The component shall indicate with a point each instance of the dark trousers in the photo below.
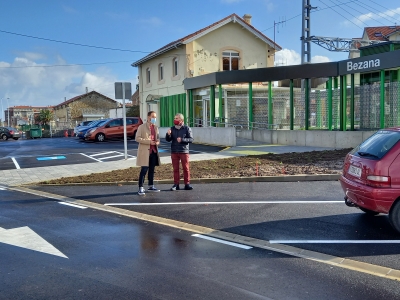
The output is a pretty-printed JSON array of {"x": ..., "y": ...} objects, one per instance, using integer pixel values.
[
  {"x": 184, "y": 158},
  {"x": 153, "y": 162}
]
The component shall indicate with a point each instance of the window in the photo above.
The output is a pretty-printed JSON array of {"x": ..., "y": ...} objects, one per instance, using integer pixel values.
[
  {"x": 230, "y": 60},
  {"x": 160, "y": 72},
  {"x": 175, "y": 66},
  {"x": 148, "y": 75},
  {"x": 115, "y": 123}
]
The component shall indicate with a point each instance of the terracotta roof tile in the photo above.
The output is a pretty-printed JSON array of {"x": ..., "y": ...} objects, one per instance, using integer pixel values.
[
  {"x": 380, "y": 33},
  {"x": 81, "y": 96}
]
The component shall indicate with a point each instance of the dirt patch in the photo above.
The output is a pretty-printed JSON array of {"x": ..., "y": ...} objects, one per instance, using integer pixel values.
[{"x": 295, "y": 163}]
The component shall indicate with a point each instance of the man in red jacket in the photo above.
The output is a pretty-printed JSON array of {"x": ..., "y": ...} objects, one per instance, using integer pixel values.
[{"x": 181, "y": 136}]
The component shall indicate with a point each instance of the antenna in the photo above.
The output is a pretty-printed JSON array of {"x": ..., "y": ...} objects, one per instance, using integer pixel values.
[{"x": 276, "y": 25}]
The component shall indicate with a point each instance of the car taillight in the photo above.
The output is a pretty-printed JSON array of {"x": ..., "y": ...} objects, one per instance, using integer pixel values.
[
  {"x": 378, "y": 181},
  {"x": 12, "y": 131}
]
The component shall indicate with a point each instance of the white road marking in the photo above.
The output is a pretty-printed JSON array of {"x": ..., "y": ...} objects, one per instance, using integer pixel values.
[
  {"x": 222, "y": 241},
  {"x": 119, "y": 155},
  {"x": 221, "y": 203},
  {"x": 25, "y": 237},
  {"x": 15, "y": 163},
  {"x": 334, "y": 241},
  {"x": 90, "y": 157},
  {"x": 73, "y": 205},
  {"x": 103, "y": 153}
]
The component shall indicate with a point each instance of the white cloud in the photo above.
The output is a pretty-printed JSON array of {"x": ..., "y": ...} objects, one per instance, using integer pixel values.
[
  {"x": 362, "y": 20},
  {"x": 287, "y": 57},
  {"x": 38, "y": 85},
  {"x": 32, "y": 56},
  {"x": 153, "y": 21}
]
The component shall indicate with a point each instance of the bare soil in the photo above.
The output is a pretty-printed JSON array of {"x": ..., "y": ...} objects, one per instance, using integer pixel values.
[{"x": 295, "y": 163}]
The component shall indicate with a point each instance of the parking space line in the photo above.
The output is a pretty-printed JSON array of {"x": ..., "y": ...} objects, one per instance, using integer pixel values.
[
  {"x": 103, "y": 153},
  {"x": 222, "y": 241},
  {"x": 119, "y": 155},
  {"x": 73, "y": 205},
  {"x": 90, "y": 157},
  {"x": 15, "y": 163},
  {"x": 335, "y": 242},
  {"x": 221, "y": 203}
]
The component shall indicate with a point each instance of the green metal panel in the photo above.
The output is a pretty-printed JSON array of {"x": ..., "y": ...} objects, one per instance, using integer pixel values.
[
  {"x": 212, "y": 105},
  {"x": 319, "y": 110},
  {"x": 335, "y": 83},
  {"x": 330, "y": 103},
  {"x": 251, "y": 105},
  {"x": 220, "y": 110},
  {"x": 291, "y": 105},
  {"x": 307, "y": 103},
  {"x": 191, "y": 108},
  {"x": 382, "y": 108},
  {"x": 344, "y": 90},
  {"x": 270, "y": 106},
  {"x": 341, "y": 127},
  {"x": 352, "y": 113}
]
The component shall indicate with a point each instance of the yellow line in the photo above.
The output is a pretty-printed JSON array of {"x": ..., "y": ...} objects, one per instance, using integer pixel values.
[{"x": 340, "y": 262}]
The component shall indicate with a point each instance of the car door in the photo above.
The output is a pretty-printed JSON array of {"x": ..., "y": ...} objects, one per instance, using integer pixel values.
[{"x": 114, "y": 129}]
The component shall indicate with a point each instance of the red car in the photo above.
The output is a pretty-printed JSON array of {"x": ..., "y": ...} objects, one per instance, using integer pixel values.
[
  {"x": 371, "y": 175},
  {"x": 114, "y": 129}
]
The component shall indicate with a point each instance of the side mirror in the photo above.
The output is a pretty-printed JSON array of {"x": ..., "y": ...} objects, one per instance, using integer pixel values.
[{"x": 107, "y": 126}]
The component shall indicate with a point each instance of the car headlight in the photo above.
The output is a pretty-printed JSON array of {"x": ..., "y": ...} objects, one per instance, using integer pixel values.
[{"x": 91, "y": 130}]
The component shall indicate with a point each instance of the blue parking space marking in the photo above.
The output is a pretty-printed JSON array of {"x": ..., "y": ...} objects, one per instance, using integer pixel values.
[{"x": 51, "y": 158}]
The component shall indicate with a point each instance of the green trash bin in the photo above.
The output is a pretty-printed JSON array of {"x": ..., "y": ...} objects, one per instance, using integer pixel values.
[{"x": 35, "y": 133}]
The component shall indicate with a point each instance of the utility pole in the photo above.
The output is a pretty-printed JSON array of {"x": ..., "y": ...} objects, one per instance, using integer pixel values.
[{"x": 305, "y": 32}]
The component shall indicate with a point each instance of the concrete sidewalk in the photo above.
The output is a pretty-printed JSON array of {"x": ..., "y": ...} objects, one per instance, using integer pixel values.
[{"x": 244, "y": 147}]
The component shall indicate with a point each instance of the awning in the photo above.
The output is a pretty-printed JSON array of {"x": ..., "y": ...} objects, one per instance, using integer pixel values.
[{"x": 153, "y": 98}]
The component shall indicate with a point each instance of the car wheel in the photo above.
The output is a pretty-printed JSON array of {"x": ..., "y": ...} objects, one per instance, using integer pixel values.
[
  {"x": 100, "y": 137},
  {"x": 369, "y": 212},
  {"x": 394, "y": 216},
  {"x": 4, "y": 137},
  {"x": 16, "y": 139}
]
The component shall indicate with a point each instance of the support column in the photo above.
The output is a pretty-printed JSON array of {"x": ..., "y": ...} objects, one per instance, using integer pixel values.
[
  {"x": 270, "y": 106},
  {"x": 352, "y": 113},
  {"x": 191, "y": 121},
  {"x": 329, "y": 103},
  {"x": 251, "y": 105},
  {"x": 307, "y": 103},
  {"x": 341, "y": 123},
  {"x": 344, "y": 89},
  {"x": 212, "y": 105},
  {"x": 291, "y": 105},
  {"x": 220, "y": 110},
  {"x": 382, "y": 106},
  {"x": 319, "y": 109}
]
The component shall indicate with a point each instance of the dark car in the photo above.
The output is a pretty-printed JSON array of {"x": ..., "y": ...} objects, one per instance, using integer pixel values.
[
  {"x": 114, "y": 129},
  {"x": 371, "y": 175},
  {"x": 83, "y": 129},
  {"x": 83, "y": 123},
  {"x": 9, "y": 133}
]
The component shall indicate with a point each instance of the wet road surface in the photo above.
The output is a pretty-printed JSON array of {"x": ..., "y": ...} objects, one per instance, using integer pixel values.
[{"x": 115, "y": 257}]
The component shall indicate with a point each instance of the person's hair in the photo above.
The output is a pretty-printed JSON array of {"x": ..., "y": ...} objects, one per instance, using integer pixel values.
[
  {"x": 150, "y": 112},
  {"x": 180, "y": 116}
]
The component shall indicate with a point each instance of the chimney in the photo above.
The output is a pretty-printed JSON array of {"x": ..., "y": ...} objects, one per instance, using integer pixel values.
[{"x": 247, "y": 18}]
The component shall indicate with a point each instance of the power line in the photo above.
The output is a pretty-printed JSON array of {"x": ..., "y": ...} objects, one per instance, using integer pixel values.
[
  {"x": 379, "y": 13},
  {"x": 68, "y": 65},
  {"x": 71, "y": 43},
  {"x": 341, "y": 15},
  {"x": 385, "y": 8},
  {"x": 354, "y": 15}
]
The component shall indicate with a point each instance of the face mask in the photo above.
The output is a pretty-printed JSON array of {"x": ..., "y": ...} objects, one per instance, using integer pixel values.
[
  {"x": 153, "y": 120},
  {"x": 177, "y": 122}
]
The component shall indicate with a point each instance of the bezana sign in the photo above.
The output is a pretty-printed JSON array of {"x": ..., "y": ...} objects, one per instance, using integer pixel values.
[{"x": 373, "y": 63}]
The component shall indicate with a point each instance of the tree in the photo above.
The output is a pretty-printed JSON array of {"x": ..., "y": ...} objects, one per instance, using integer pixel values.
[
  {"x": 133, "y": 111},
  {"x": 45, "y": 116}
]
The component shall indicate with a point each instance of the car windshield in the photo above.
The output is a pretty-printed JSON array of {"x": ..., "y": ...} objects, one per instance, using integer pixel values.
[
  {"x": 377, "y": 145},
  {"x": 102, "y": 123}
]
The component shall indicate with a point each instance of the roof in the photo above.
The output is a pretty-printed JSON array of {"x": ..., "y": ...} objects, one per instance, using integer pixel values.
[
  {"x": 380, "y": 33},
  {"x": 189, "y": 38},
  {"x": 83, "y": 96}
]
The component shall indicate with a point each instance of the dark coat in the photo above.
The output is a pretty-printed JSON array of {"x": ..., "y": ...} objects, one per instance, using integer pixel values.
[{"x": 185, "y": 133}]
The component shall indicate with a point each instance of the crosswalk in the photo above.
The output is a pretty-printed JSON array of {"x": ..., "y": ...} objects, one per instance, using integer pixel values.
[{"x": 109, "y": 155}]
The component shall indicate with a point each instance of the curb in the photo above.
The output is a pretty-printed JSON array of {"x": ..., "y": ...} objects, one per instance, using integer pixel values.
[{"x": 288, "y": 178}]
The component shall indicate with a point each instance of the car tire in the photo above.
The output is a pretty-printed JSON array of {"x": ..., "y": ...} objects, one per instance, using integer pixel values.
[
  {"x": 369, "y": 212},
  {"x": 100, "y": 137},
  {"x": 394, "y": 216},
  {"x": 4, "y": 137}
]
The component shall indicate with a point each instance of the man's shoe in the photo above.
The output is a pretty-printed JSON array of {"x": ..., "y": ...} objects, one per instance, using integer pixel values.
[
  {"x": 153, "y": 189},
  {"x": 175, "y": 187},
  {"x": 141, "y": 191},
  {"x": 188, "y": 187}
]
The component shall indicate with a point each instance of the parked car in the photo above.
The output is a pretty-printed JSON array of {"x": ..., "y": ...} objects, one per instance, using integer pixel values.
[
  {"x": 371, "y": 175},
  {"x": 83, "y": 129},
  {"x": 114, "y": 129},
  {"x": 9, "y": 133},
  {"x": 84, "y": 123}
]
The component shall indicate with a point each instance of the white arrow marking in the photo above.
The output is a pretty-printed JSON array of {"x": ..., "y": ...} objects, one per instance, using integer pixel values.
[{"x": 25, "y": 237}]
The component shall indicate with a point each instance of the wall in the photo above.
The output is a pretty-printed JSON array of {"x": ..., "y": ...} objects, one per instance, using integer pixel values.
[
  {"x": 209, "y": 135},
  {"x": 315, "y": 138}
]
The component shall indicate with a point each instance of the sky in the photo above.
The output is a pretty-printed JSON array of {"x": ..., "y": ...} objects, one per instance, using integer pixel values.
[{"x": 51, "y": 50}]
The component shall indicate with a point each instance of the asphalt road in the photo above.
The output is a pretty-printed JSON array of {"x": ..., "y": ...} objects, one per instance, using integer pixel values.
[
  {"x": 98, "y": 255},
  {"x": 64, "y": 151}
]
